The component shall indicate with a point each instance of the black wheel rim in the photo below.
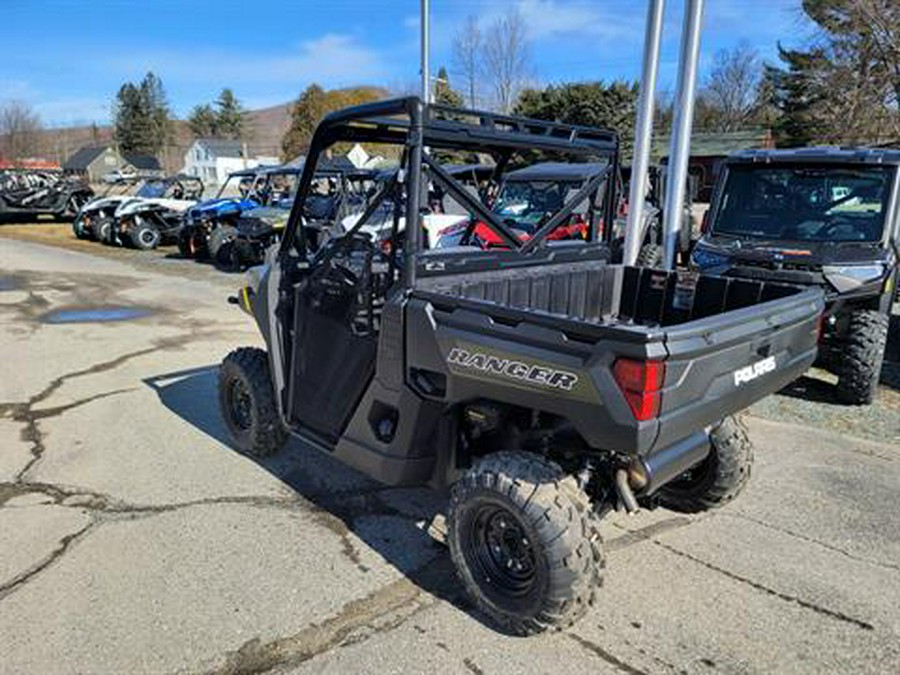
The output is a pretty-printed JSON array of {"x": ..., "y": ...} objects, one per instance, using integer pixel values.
[
  {"x": 501, "y": 551},
  {"x": 240, "y": 404},
  {"x": 147, "y": 237}
]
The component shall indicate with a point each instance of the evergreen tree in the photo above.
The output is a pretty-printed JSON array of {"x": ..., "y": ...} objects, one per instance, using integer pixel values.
[
  {"x": 596, "y": 104},
  {"x": 141, "y": 117},
  {"x": 229, "y": 116},
  {"x": 444, "y": 93},
  {"x": 203, "y": 121}
]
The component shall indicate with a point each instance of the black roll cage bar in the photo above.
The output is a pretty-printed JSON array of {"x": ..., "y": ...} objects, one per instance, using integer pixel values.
[{"x": 410, "y": 123}]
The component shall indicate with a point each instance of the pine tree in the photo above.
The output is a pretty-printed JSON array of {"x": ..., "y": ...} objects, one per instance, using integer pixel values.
[
  {"x": 444, "y": 93},
  {"x": 141, "y": 117},
  {"x": 203, "y": 121},
  {"x": 229, "y": 116}
]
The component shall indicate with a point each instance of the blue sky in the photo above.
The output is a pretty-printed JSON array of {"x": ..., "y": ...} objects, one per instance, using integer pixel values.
[{"x": 67, "y": 58}]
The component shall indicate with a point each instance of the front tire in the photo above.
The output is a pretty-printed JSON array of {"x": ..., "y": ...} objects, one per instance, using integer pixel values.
[
  {"x": 524, "y": 542},
  {"x": 860, "y": 365},
  {"x": 144, "y": 236},
  {"x": 218, "y": 238},
  {"x": 247, "y": 402},
  {"x": 719, "y": 478}
]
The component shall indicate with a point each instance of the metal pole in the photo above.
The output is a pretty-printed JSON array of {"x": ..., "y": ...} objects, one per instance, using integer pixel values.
[
  {"x": 680, "y": 146},
  {"x": 425, "y": 39},
  {"x": 643, "y": 132}
]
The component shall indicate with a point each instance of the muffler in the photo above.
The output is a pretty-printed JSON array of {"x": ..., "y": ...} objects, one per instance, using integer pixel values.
[{"x": 647, "y": 474}]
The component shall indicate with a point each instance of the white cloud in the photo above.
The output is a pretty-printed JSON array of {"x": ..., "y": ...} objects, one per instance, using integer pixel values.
[{"x": 331, "y": 60}]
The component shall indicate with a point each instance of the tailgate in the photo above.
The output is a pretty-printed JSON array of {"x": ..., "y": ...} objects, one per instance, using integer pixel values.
[{"x": 724, "y": 363}]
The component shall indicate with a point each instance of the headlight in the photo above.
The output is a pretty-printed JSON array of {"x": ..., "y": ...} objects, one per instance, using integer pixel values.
[
  {"x": 847, "y": 277},
  {"x": 704, "y": 258}
]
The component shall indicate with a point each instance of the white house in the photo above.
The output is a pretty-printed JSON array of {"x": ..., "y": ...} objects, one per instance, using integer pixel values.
[{"x": 212, "y": 159}]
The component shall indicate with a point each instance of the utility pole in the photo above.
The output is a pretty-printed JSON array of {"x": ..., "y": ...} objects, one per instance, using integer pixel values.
[
  {"x": 680, "y": 146},
  {"x": 425, "y": 39},
  {"x": 643, "y": 132}
]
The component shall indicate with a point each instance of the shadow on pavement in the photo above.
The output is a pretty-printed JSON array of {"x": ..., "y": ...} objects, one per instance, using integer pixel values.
[{"x": 394, "y": 522}]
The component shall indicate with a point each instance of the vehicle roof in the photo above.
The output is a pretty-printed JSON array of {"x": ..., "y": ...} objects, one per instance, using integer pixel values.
[
  {"x": 818, "y": 154},
  {"x": 556, "y": 171}
]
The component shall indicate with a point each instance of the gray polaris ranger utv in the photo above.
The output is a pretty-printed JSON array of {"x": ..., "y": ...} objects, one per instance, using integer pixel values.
[
  {"x": 544, "y": 384},
  {"x": 822, "y": 217}
]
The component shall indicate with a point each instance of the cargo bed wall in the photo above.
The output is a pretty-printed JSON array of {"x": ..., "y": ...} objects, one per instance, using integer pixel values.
[{"x": 609, "y": 294}]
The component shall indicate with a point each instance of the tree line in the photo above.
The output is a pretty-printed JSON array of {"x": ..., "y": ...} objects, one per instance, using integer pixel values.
[{"x": 841, "y": 87}]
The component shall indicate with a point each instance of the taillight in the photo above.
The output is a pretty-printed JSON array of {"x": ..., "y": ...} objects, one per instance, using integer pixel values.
[{"x": 641, "y": 382}]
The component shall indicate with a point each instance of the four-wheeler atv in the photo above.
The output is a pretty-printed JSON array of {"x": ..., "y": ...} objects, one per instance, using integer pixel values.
[
  {"x": 241, "y": 191},
  {"x": 822, "y": 217},
  {"x": 153, "y": 216},
  {"x": 95, "y": 218},
  {"x": 544, "y": 384},
  {"x": 27, "y": 193}
]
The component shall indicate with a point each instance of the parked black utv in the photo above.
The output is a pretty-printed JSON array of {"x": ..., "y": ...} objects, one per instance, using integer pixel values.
[
  {"x": 823, "y": 217},
  {"x": 335, "y": 194},
  {"x": 544, "y": 384},
  {"x": 29, "y": 194}
]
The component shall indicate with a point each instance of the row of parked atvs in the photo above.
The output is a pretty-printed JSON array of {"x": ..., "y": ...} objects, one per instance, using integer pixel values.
[{"x": 146, "y": 212}]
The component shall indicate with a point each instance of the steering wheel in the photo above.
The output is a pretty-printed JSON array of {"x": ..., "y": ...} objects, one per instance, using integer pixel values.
[{"x": 837, "y": 222}]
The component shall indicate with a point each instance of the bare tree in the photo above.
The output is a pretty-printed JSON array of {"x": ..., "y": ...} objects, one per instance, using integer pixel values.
[
  {"x": 507, "y": 58},
  {"x": 729, "y": 97},
  {"x": 19, "y": 127},
  {"x": 467, "y": 58}
]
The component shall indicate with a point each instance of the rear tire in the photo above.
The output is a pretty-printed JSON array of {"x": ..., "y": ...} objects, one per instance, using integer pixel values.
[
  {"x": 719, "y": 478},
  {"x": 650, "y": 255},
  {"x": 247, "y": 402},
  {"x": 860, "y": 365},
  {"x": 525, "y": 542},
  {"x": 102, "y": 232}
]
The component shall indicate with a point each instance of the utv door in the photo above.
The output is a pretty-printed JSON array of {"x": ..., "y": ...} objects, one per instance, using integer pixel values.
[{"x": 334, "y": 346}]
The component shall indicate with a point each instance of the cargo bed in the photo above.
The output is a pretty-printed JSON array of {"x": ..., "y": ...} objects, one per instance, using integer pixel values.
[{"x": 725, "y": 342}]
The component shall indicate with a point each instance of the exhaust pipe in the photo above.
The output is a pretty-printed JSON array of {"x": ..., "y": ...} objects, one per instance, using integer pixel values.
[{"x": 650, "y": 473}]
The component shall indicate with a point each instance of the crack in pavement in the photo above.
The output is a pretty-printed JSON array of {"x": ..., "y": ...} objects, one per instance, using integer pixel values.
[
  {"x": 18, "y": 581},
  {"x": 25, "y": 412},
  {"x": 811, "y": 540},
  {"x": 612, "y": 660},
  {"x": 646, "y": 533},
  {"x": 786, "y": 597},
  {"x": 379, "y": 612}
]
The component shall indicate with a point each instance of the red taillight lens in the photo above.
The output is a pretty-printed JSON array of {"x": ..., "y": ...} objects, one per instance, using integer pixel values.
[{"x": 640, "y": 382}]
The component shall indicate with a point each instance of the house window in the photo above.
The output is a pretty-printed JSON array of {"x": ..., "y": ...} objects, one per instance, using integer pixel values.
[{"x": 198, "y": 155}]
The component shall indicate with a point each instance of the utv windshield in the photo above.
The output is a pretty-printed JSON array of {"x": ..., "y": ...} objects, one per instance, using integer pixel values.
[
  {"x": 153, "y": 189},
  {"x": 236, "y": 186},
  {"x": 524, "y": 205},
  {"x": 804, "y": 203}
]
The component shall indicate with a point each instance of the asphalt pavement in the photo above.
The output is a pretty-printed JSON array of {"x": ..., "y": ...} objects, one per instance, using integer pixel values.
[{"x": 134, "y": 539}]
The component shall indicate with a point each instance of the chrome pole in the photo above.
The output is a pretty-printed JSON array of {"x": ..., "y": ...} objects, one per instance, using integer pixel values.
[
  {"x": 680, "y": 145},
  {"x": 643, "y": 132},
  {"x": 425, "y": 39}
]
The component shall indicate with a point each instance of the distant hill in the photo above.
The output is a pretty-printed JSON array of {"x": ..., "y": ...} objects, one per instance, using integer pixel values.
[{"x": 265, "y": 127}]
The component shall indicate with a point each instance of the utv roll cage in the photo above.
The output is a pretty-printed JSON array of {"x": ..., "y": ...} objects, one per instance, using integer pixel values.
[{"x": 410, "y": 123}]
